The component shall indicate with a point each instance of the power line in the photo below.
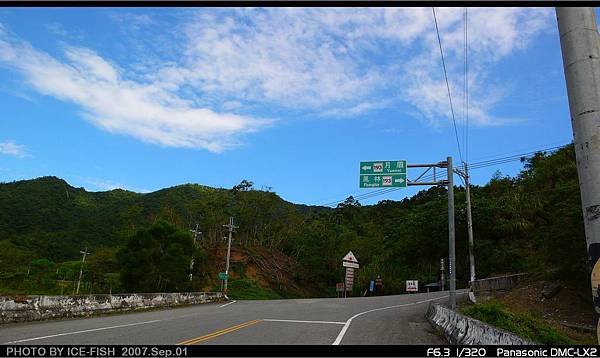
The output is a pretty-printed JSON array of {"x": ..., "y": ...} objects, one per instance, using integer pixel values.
[
  {"x": 510, "y": 158},
  {"x": 447, "y": 83},
  {"x": 379, "y": 192},
  {"x": 556, "y": 144}
]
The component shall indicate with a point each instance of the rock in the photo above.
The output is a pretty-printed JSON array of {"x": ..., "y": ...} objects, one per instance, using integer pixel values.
[{"x": 550, "y": 290}]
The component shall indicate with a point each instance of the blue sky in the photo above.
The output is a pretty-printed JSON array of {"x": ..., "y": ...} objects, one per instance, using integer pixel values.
[{"x": 292, "y": 99}]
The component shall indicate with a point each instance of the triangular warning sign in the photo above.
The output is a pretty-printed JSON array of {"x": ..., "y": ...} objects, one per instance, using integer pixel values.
[{"x": 350, "y": 257}]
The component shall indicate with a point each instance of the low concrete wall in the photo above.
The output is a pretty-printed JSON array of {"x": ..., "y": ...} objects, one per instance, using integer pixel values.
[
  {"x": 495, "y": 287},
  {"x": 34, "y": 308},
  {"x": 460, "y": 329}
]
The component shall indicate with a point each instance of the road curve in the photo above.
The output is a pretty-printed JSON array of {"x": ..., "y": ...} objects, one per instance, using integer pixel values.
[{"x": 361, "y": 320}]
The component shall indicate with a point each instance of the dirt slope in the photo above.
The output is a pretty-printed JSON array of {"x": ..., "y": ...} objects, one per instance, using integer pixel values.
[{"x": 268, "y": 268}]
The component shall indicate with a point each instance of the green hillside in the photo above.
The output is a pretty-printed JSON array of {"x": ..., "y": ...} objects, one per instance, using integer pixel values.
[{"x": 531, "y": 222}]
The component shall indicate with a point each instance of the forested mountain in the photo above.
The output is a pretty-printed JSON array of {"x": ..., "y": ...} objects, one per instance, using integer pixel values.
[{"x": 531, "y": 222}]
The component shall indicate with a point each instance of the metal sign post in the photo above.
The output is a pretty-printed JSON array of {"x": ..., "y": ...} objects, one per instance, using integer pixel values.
[{"x": 375, "y": 174}]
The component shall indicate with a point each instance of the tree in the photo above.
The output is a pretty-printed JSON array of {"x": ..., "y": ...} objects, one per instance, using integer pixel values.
[
  {"x": 244, "y": 185},
  {"x": 101, "y": 263},
  {"x": 156, "y": 259},
  {"x": 350, "y": 201}
]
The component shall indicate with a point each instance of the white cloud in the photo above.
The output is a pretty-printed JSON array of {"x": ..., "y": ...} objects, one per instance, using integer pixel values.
[
  {"x": 333, "y": 60},
  {"x": 329, "y": 61},
  {"x": 494, "y": 34},
  {"x": 11, "y": 148},
  {"x": 356, "y": 110},
  {"x": 111, "y": 102}
]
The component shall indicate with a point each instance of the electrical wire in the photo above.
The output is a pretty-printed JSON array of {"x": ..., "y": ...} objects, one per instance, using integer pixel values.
[
  {"x": 507, "y": 159},
  {"x": 447, "y": 83}
]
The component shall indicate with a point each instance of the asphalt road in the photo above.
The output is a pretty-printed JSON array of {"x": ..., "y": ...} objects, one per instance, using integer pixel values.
[{"x": 365, "y": 320}]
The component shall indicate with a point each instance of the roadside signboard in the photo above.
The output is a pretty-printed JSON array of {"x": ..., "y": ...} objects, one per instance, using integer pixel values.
[
  {"x": 339, "y": 287},
  {"x": 350, "y": 264},
  {"x": 383, "y": 167},
  {"x": 412, "y": 285},
  {"x": 349, "y": 278},
  {"x": 382, "y": 181},
  {"x": 223, "y": 276},
  {"x": 372, "y": 286},
  {"x": 383, "y": 174},
  {"x": 350, "y": 257}
]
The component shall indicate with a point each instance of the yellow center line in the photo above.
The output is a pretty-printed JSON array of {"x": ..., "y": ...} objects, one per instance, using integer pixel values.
[{"x": 219, "y": 333}]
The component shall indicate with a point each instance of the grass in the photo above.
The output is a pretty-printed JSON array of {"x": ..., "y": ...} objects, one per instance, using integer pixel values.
[
  {"x": 524, "y": 324},
  {"x": 247, "y": 289}
]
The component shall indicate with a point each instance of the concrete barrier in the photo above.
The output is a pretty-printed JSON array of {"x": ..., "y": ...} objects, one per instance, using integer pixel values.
[
  {"x": 463, "y": 330},
  {"x": 495, "y": 287},
  {"x": 34, "y": 308}
]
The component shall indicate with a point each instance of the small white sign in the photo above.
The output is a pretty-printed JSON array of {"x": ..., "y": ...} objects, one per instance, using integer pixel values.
[
  {"x": 350, "y": 264},
  {"x": 412, "y": 285}
]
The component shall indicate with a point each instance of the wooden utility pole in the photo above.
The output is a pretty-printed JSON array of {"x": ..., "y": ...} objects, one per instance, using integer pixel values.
[
  {"x": 196, "y": 234},
  {"x": 85, "y": 253},
  {"x": 230, "y": 227}
]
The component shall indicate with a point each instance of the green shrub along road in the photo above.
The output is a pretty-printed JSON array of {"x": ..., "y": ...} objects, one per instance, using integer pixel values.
[{"x": 525, "y": 323}]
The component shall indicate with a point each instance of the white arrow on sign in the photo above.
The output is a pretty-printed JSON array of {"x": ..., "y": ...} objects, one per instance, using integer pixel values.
[
  {"x": 399, "y": 180},
  {"x": 365, "y": 167}
]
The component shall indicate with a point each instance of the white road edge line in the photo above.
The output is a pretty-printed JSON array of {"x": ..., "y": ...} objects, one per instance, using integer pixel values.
[
  {"x": 84, "y": 331},
  {"x": 227, "y": 304},
  {"x": 347, "y": 324},
  {"x": 296, "y": 321}
]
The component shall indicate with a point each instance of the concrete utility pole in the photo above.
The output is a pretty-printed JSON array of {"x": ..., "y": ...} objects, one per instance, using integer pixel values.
[
  {"x": 469, "y": 225},
  {"x": 451, "y": 236},
  {"x": 231, "y": 227},
  {"x": 85, "y": 253},
  {"x": 442, "y": 269},
  {"x": 465, "y": 175},
  {"x": 580, "y": 47}
]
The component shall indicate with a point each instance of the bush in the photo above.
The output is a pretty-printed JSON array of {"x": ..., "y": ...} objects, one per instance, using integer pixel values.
[
  {"x": 524, "y": 324},
  {"x": 246, "y": 289}
]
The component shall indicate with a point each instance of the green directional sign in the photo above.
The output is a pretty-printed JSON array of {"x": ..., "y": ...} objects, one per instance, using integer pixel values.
[
  {"x": 223, "y": 276},
  {"x": 383, "y": 180},
  {"x": 383, "y": 167}
]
